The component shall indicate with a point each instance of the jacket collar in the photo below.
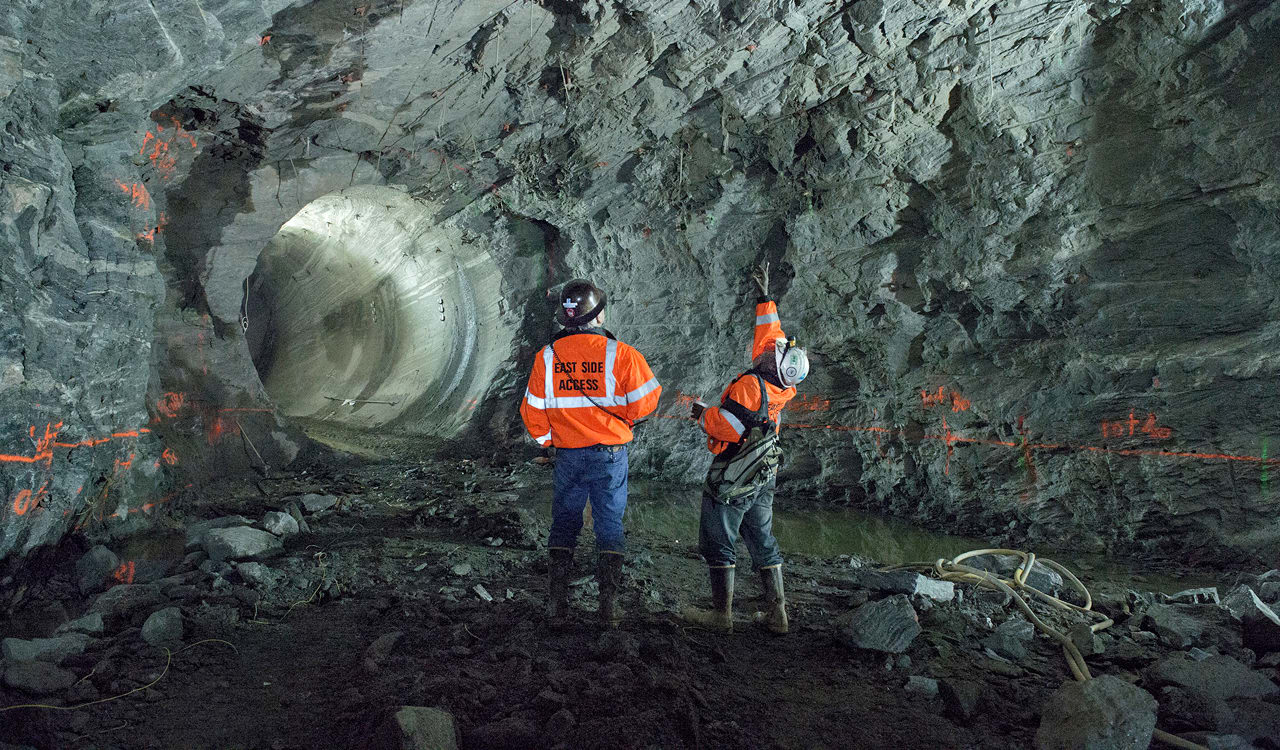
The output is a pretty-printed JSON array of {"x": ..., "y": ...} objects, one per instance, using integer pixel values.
[{"x": 596, "y": 331}]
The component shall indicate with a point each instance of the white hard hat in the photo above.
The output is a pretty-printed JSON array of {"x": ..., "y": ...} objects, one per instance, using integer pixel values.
[{"x": 792, "y": 363}]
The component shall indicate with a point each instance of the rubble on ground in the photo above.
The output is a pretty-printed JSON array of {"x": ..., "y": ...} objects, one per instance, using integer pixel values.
[{"x": 415, "y": 657}]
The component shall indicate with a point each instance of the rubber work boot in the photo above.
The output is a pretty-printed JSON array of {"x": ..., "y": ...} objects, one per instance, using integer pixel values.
[
  {"x": 609, "y": 576},
  {"x": 720, "y": 617},
  {"x": 774, "y": 616},
  {"x": 559, "y": 568}
]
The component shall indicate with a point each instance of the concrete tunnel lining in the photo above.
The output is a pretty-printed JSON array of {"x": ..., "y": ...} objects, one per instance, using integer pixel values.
[{"x": 362, "y": 296}]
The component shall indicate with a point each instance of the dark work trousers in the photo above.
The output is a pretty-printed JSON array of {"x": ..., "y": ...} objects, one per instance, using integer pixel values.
[
  {"x": 752, "y": 514},
  {"x": 599, "y": 476}
]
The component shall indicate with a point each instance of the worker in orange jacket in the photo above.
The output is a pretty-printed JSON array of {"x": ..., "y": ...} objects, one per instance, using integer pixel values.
[
  {"x": 738, "y": 495},
  {"x": 585, "y": 393}
]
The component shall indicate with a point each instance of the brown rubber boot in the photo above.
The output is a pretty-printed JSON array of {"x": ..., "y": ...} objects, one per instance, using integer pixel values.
[
  {"x": 720, "y": 617},
  {"x": 560, "y": 567},
  {"x": 774, "y": 616},
  {"x": 609, "y": 576}
]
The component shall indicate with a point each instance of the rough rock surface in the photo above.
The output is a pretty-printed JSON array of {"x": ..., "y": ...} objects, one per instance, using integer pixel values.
[
  {"x": 94, "y": 567},
  {"x": 888, "y": 625},
  {"x": 317, "y": 503},
  {"x": 54, "y": 650},
  {"x": 1217, "y": 678},
  {"x": 1047, "y": 230},
  {"x": 197, "y": 529},
  {"x": 163, "y": 627},
  {"x": 1105, "y": 713},
  {"x": 240, "y": 543},
  {"x": 90, "y": 624},
  {"x": 1260, "y": 623},
  {"x": 906, "y": 582},
  {"x": 281, "y": 524},
  {"x": 37, "y": 678},
  {"x": 418, "y": 728},
  {"x": 121, "y": 601}
]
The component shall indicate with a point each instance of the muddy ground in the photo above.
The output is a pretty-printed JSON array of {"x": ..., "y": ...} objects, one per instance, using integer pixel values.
[{"x": 377, "y": 606}]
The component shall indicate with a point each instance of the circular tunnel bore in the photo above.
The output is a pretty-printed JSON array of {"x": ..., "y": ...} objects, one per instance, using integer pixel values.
[{"x": 362, "y": 310}]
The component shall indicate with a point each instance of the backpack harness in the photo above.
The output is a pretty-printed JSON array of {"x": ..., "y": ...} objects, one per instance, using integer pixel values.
[{"x": 744, "y": 466}]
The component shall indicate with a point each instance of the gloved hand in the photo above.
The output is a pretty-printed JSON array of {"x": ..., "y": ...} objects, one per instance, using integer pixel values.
[
  {"x": 697, "y": 409},
  {"x": 761, "y": 277}
]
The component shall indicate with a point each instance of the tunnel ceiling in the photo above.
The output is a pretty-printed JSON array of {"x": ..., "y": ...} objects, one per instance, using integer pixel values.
[{"x": 1030, "y": 245}]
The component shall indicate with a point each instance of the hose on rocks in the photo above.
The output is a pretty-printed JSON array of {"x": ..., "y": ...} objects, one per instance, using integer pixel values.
[{"x": 955, "y": 571}]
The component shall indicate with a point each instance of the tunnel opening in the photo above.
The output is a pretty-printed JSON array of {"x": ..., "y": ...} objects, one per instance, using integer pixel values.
[{"x": 363, "y": 310}]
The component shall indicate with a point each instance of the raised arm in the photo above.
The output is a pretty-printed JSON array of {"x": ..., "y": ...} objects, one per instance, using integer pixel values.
[{"x": 768, "y": 327}]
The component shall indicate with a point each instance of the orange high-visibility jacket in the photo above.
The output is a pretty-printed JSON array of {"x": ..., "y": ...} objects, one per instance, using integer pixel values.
[
  {"x": 722, "y": 427},
  {"x": 578, "y": 376}
]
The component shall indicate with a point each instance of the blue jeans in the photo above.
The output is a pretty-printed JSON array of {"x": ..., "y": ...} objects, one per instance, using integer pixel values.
[
  {"x": 584, "y": 474},
  {"x": 752, "y": 513}
]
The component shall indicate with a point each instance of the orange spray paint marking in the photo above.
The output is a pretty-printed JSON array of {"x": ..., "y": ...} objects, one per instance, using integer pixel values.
[
  {"x": 126, "y": 572},
  {"x": 137, "y": 193},
  {"x": 217, "y": 428},
  {"x": 150, "y": 234},
  {"x": 169, "y": 457},
  {"x": 44, "y": 446},
  {"x": 943, "y": 397},
  {"x": 26, "y": 500},
  {"x": 262, "y": 40},
  {"x": 171, "y": 403},
  {"x": 1127, "y": 427},
  {"x": 156, "y": 147}
]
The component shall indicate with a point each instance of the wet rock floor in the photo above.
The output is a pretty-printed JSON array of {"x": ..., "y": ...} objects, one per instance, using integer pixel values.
[{"x": 424, "y": 586}]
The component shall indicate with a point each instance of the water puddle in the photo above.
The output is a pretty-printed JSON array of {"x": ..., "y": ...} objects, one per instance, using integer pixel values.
[{"x": 672, "y": 512}]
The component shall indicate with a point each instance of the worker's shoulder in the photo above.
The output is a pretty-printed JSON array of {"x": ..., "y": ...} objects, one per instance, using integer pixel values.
[{"x": 628, "y": 350}]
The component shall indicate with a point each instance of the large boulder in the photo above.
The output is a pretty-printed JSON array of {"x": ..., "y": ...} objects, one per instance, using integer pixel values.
[
  {"x": 197, "y": 529},
  {"x": 1105, "y": 713},
  {"x": 1042, "y": 577},
  {"x": 52, "y": 650},
  {"x": 905, "y": 582},
  {"x": 1011, "y": 638},
  {"x": 163, "y": 627},
  {"x": 1259, "y": 623},
  {"x": 118, "y": 602},
  {"x": 313, "y": 503},
  {"x": 281, "y": 524},
  {"x": 94, "y": 567},
  {"x": 1177, "y": 626},
  {"x": 240, "y": 543},
  {"x": 1216, "y": 678},
  {"x": 417, "y": 728},
  {"x": 888, "y": 625},
  {"x": 90, "y": 624}
]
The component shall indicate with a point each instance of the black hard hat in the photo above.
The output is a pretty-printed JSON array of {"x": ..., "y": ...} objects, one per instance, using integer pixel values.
[{"x": 580, "y": 302}]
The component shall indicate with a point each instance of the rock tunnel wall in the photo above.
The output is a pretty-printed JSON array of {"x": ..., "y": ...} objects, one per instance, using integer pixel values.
[{"x": 1029, "y": 245}]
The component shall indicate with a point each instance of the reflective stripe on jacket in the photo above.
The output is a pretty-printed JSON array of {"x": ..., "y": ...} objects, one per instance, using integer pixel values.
[
  {"x": 573, "y": 384},
  {"x": 722, "y": 427}
]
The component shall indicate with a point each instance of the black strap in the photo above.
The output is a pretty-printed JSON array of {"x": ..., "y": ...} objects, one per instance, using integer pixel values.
[
  {"x": 593, "y": 331},
  {"x": 750, "y": 417}
]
